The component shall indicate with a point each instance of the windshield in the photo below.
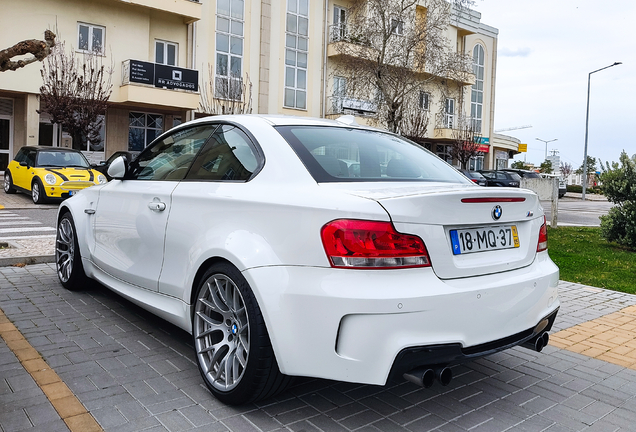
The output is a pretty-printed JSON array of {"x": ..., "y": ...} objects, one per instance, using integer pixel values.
[
  {"x": 336, "y": 154},
  {"x": 61, "y": 159}
]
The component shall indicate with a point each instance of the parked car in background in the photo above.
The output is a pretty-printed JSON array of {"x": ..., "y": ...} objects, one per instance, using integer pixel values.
[
  {"x": 102, "y": 167},
  {"x": 501, "y": 178},
  {"x": 523, "y": 173},
  {"x": 247, "y": 232},
  {"x": 48, "y": 173},
  {"x": 475, "y": 177}
]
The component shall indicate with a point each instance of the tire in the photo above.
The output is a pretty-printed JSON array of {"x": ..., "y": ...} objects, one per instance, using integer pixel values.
[
  {"x": 37, "y": 192},
  {"x": 233, "y": 349},
  {"x": 8, "y": 183},
  {"x": 68, "y": 261}
]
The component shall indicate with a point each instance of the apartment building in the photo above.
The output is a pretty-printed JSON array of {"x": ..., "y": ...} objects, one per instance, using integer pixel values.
[
  {"x": 174, "y": 60},
  {"x": 148, "y": 45}
]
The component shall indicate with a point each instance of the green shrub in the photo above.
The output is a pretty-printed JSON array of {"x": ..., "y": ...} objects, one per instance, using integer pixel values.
[
  {"x": 619, "y": 186},
  {"x": 579, "y": 189}
]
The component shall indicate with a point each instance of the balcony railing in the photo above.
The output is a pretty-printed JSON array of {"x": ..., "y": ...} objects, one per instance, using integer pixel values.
[
  {"x": 454, "y": 121},
  {"x": 346, "y": 105}
]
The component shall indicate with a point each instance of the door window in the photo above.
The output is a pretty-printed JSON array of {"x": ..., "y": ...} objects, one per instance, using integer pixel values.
[
  {"x": 228, "y": 155},
  {"x": 170, "y": 158}
]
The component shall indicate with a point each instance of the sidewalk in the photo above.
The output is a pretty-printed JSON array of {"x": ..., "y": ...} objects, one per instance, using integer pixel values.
[{"x": 130, "y": 371}]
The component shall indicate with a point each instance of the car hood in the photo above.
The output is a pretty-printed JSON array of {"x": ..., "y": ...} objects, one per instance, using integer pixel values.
[{"x": 70, "y": 173}]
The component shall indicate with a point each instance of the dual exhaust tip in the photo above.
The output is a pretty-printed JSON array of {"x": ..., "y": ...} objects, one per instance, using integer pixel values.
[
  {"x": 538, "y": 342},
  {"x": 426, "y": 377}
]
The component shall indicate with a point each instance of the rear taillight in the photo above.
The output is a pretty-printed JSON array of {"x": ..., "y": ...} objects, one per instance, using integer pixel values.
[
  {"x": 543, "y": 237},
  {"x": 371, "y": 244}
]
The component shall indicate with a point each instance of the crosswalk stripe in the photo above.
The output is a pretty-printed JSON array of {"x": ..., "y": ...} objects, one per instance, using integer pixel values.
[
  {"x": 42, "y": 236},
  {"x": 21, "y": 222},
  {"x": 13, "y": 230}
]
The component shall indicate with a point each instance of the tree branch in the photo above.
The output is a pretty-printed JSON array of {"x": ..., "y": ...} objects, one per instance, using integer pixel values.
[{"x": 39, "y": 49}]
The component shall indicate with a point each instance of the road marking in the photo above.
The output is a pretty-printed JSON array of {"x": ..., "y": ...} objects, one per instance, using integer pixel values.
[
  {"x": 20, "y": 222},
  {"x": 70, "y": 409},
  {"x": 13, "y": 230},
  {"x": 41, "y": 236}
]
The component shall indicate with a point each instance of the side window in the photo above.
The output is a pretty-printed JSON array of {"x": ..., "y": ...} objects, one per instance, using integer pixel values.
[
  {"x": 228, "y": 155},
  {"x": 30, "y": 158},
  {"x": 21, "y": 156},
  {"x": 170, "y": 158}
]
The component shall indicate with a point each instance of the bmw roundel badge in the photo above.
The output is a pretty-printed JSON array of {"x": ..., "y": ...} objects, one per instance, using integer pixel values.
[{"x": 496, "y": 212}]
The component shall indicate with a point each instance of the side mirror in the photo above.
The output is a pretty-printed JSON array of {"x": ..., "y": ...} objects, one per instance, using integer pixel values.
[
  {"x": 24, "y": 164},
  {"x": 118, "y": 168}
]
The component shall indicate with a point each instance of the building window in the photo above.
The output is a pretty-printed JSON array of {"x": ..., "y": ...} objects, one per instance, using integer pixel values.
[
  {"x": 166, "y": 53},
  {"x": 229, "y": 49},
  {"x": 339, "y": 93},
  {"x": 477, "y": 93},
  {"x": 143, "y": 129},
  {"x": 296, "y": 47},
  {"x": 339, "y": 29},
  {"x": 444, "y": 152},
  {"x": 90, "y": 38},
  {"x": 424, "y": 100},
  {"x": 449, "y": 113},
  {"x": 397, "y": 26},
  {"x": 476, "y": 163}
]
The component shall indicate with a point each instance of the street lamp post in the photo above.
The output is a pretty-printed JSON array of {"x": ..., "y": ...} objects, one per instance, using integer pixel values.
[
  {"x": 587, "y": 118},
  {"x": 546, "y": 145}
]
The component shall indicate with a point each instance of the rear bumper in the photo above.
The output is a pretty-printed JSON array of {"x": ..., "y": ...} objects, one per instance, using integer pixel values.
[
  {"x": 449, "y": 354},
  {"x": 355, "y": 325}
]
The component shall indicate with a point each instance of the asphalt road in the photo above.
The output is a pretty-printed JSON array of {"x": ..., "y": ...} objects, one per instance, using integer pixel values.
[{"x": 575, "y": 212}]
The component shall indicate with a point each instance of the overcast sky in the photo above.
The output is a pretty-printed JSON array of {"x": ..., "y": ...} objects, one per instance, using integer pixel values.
[{"x": 547, "y": 48}]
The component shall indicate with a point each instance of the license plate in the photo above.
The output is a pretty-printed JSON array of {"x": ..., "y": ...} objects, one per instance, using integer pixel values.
[{"x": 484, "y": 239}]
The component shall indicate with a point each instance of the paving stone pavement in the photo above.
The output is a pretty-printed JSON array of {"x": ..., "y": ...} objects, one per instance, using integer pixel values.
[{"x": 135, "y": 372}]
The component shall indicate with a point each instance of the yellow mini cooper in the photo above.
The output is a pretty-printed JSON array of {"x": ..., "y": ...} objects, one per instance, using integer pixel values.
[{"x": 50, "y": 173}]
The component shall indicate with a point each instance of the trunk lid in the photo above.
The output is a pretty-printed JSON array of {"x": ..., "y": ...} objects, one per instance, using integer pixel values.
[{"x": 468, "y": 230}]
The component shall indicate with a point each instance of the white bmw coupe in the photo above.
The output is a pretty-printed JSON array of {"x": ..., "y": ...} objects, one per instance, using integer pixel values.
[{"x": 305, "y": 247}]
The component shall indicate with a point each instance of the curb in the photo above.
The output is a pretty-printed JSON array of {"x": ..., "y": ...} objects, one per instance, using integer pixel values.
[{"x": 26, "y": 260}]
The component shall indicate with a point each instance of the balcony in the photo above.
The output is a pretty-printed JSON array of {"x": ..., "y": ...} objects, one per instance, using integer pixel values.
[
  {"x": 153, "y": 84},
  {"x": 449, "y": 126},
  {"x": 188, "y": 9},
  {"x": 344, "y": 42}
]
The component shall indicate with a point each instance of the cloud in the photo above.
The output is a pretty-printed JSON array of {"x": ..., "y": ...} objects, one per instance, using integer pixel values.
[{"x": 519, "y": 52}]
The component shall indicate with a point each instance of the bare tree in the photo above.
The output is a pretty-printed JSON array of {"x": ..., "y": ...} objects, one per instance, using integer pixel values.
[
  {"x": 75, "y": 93},
  {"x": 39, "y": 49},
  {"x": 465, "y": 143},
  {"x": 389, "y": 50},
  {"x": 226, "y": 95},
  {"x": 566, "y": 169}
]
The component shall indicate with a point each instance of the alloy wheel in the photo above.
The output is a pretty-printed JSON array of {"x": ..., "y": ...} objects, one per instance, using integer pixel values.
[
  {"x": 65, "y": 249},
  {"x": 221, "y": 332},
  {"x": 35, "y": 192}
]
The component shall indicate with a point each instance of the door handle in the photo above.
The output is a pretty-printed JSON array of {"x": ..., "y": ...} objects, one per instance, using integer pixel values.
[{"x": 157, "y": 206}]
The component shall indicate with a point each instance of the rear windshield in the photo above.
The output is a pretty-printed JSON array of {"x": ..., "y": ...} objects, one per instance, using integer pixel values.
[{"x": 336, "y": 154}]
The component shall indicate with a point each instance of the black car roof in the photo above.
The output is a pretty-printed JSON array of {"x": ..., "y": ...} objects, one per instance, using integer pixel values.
[{"x": 47, "y": 148}]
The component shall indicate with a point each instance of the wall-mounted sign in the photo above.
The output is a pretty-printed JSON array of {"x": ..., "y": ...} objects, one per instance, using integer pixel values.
[
  {"x": 163, "y": 76},
  {"x": 483, "y": 148},
  {"x": 482, "y": 140},
  {"x": 142, "y": 72},
  {"x": 523, "y": 148}
]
